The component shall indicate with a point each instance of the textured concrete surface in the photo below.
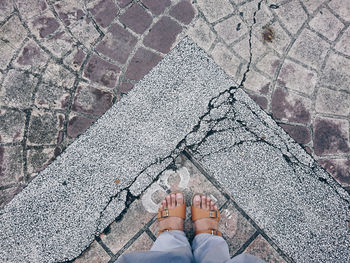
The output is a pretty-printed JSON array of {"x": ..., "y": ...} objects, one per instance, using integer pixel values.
[
  {"x": 77, "y": 196},
  {"x": 275, "y": 181}
]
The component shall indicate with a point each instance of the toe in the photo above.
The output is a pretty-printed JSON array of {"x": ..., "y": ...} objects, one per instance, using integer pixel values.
[
  {"x": 208, "y": 202},
  {"x": 204, "y": 202},
  {"x": 173, "y": 201},
  {"x": 168, "y": 201},
  {"x": 179, "y": 199},
  {"x": 212, "y": 205},
  {"x": 163, "y": 204},
  {"x": 197, "y": 201}
]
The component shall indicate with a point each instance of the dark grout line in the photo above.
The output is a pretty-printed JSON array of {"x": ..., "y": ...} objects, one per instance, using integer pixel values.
[
  {"x": 104, "y": 246},
  {"x": 246, "y": 244}
]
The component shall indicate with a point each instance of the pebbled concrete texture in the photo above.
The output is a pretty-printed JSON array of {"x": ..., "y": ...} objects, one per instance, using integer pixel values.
[
  {"x": 76, "y": 197},
  {"x": 275, "y": 182}
]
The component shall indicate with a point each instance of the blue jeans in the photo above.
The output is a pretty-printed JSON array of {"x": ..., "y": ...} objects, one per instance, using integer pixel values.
[{"x": 174, "y": 247}]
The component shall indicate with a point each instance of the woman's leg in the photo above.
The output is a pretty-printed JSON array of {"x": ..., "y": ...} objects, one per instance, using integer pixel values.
[
  {"x": 173, "y": 240},
  {"x": 207, "y": 247}
]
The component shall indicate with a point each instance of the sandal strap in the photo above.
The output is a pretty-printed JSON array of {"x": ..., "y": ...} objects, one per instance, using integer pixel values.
[
  {"x": 167, "y": 230},
  {"x": 199, "y": 213},
  {"x": 179, "y": 211},
  {"x": 210, "y": 231}
]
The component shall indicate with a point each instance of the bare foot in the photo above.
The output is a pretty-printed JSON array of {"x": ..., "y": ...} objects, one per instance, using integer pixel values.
[
  {"x": 205, "y": 203},
  {"x": 172, "y": 222}
]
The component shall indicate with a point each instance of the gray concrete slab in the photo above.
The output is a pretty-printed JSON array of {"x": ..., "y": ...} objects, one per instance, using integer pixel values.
[
  {"x": 57, "y": 216},
  {"x": 272, "y": 178},
  {"x": 186, "y": 101}
]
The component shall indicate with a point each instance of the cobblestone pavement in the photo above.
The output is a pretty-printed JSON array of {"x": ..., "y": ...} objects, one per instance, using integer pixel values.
[
  {"x": 64, "y": 63},
  {"x": 240, "y": 231}
]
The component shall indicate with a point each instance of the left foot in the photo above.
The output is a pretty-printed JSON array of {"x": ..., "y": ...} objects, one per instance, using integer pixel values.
[{"x": 173, "y": 221}]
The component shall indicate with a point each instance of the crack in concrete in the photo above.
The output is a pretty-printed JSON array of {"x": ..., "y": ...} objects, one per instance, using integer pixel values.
[{"x": 250, "y": 46}]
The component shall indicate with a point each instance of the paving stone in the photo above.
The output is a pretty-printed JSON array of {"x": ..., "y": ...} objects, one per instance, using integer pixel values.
[
  {"x": 231, "y": 29},
  {"x": 326, "y": 24},
  {"x": 297, "y": 77},
  {"x": 263, "y": 250},
  {"x": 18, "y": 87},
  {"x": 7, "y": 194},
  {"x": 201, "y": 33},
  {"x": 11, "y": 125},
  {"x": 272, "y": 35},
  {"x": 332, "y": 102},
  {"x": 75, "y": 59},
  {"x": 91, "y": 100},
  {"x": 256, "y": 82},
  {"x": 44, "y": 25},
  {"x": 31, "y": 57},
  {"x": 225, "y": 59},
  {"x": 104, "y": 12},
  {"x": 78, "y": 124},
  {"x": 235, "y": 227},
  {"x": 292, "y": 15},
  {"x": 136, "y": 18},
  {"x": 260, "y": 100},
  {"x": 156, "y": 6},
  {"x": 122, "y": 231},
  {"x": 339, "y": 169},
  {"x": 85, "y": 32},
  {"x": 342, "y": 8},
  {"x": 247, "y": 10},
  {"x": 331, "y": 136},
  {"x": 117, "y": 44},
  {"x": 45, "y": 128},
  {"x": 13, "y": 33},
  {"x": 30, "y": 8},
  {"x": 58, "y": 75},
  {"x": 342, "y": 45},
  {"x": 123, "y": 3},
  {"x": 6, "y": 7},
  {"x": 300, "y": 134},
  {"x": 242, "y": 48},
  {"x": 125, "y": 87},
  {"x": 11, "y": 167},
  {"x": 38, "y": 158},
  {"x": 59, "y": 43},
  {"x": 336, "y": 73},
  {"x": 312, "y": 5},
  {"x": 183, "y": 12},
  {"x": 94, "y": 254},
  {"x": 162, "y": 35},
  {"x": 309, "y": 49},
  {"x": 142, "y": 62},
  {"x": 49, "y": 96},
  {"x": 7, "y": 53},
  {"x": 269, "y": 64},
  {"x": 215, "y": 9},
  {"x": 70, "y": 12},
  {"x": 288, "y": 106},
  {"x": 101, "y": 71},
  {"x": 143, "y": 243}
]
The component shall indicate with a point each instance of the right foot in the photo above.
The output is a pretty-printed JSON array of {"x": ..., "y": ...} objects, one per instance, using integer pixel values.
[
  {"x": 172, "y": 201},
  {"x": 205, "y": 203}
]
